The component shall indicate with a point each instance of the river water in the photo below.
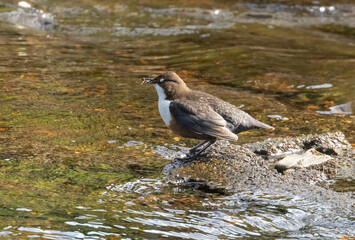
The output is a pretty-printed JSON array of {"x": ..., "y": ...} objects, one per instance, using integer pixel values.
[{"x": 80, "y": 137}]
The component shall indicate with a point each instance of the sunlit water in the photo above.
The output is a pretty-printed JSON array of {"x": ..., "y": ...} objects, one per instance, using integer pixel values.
[
  {"x": 153, "y": 209},
  {"x": 82, "y": 145}
]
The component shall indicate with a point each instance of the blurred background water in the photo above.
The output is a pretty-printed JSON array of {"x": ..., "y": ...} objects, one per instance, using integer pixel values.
[{"x": 80, "y": 137}]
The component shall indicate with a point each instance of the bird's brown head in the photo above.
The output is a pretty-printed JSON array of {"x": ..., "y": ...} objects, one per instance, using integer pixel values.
[{"x": 169, "y": 82}]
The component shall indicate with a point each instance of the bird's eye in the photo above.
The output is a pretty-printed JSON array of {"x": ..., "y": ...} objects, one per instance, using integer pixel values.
[{"x": 162, "y": 79}]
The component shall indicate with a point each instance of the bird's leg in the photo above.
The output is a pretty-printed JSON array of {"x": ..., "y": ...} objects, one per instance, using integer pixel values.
[
  {"x": 191, "y": 157},
  {"x": 204, "y": 148},
  {"x": 197, "y": 146}
]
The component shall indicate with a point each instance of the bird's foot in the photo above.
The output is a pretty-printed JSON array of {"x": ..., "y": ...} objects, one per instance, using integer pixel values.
[
  {"x": 188, "y": 157},
  {"x": 196, "y": 151},
  {"x": 191, "y": 155}
]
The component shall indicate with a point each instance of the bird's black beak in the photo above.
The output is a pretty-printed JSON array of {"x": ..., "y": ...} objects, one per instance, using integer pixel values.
[{"x": 147, "y": 80}]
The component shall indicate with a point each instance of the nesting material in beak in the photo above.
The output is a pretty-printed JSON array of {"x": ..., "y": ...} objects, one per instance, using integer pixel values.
[{"x": 147, "y": 80}]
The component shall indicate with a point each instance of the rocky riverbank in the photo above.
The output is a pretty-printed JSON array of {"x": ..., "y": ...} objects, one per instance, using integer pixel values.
[{"x": 230, "y": 168}]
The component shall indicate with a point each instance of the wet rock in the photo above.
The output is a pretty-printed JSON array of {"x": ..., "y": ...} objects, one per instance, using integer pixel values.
[
  {"x": 224, "y": 166},
  {"x": 309, "y": 158},
  {"x": 170, "y": 152},
  {"x": 28, "y": 17},
  {"x": 339, "y": 109},
  {"x": 234, "y": 168},
  {"x": 328, "y": 143},
  {"x": 133, "y": 143},
  {"x": 273, "y": 14}
]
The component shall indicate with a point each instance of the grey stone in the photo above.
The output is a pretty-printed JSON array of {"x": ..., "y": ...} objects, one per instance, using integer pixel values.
[
  {"x": 309, "y": 158},
  {"x": 328, "y": 143},
  {"x": 231, "y": 168}
]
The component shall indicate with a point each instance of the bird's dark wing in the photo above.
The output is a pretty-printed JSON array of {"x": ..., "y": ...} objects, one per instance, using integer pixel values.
[
  {"x": 201, "y": 119},
  {"x": 237, "y": 120}
]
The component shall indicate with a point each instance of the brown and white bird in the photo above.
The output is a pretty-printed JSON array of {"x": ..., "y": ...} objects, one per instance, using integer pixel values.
[{"x": 199, "y": 115}]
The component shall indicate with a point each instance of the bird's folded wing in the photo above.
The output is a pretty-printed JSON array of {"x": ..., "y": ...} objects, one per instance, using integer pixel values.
[{"x": 201, "y": 119}]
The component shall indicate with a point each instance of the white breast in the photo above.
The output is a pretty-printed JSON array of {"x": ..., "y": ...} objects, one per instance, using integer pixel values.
[{"x": 163, "y": 105}]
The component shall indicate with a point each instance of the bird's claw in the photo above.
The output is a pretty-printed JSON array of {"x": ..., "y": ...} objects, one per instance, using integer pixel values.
[{"x": 187, "y": 157}]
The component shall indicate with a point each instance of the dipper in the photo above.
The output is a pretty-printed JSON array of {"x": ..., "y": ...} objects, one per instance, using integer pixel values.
[{"x": 199, "y": 115}]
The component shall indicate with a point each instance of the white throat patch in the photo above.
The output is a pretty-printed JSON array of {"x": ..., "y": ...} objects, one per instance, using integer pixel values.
[{"x": 163, "y": 105}]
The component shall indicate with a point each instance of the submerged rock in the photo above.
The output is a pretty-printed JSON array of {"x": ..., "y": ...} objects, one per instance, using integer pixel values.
[
  {"x": 25, "y": 16},
  {"x": 339, "y": 109},
  {"x": 309, "y": 158}
]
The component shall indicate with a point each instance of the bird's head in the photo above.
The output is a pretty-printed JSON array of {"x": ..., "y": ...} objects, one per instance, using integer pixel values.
[{"x": 168, "y": 83}]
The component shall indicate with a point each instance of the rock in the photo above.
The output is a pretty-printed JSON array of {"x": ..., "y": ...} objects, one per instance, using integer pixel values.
[
  {"x": 226, "y": 165},
  {"x": 233, "y": 167},
  {"x": 339, "y": 109},
  {"x": 328, "y": 143},
  {"x": 307, "y": 159},
  {"x": 29, "y": 18},
  {"x": 230, "y": 168}
]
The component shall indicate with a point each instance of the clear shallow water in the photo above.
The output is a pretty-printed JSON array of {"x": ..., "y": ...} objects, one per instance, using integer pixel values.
[
  {"x": 154, "y": 209},
  {"x": 75, "y": 120}
]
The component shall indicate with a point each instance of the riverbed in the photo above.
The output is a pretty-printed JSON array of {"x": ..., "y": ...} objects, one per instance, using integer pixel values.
[{"x": 80, "y": 137}]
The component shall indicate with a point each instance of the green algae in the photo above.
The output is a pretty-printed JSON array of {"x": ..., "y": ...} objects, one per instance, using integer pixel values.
[
  {"x": 4, "y": 9},
  {"x": 337, "y": 29},
  {"x": 344, "y": 185}
]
